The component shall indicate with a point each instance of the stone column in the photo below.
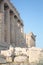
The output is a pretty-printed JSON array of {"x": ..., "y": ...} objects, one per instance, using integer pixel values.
[
  {"x": 2, "y": 27},
  {"x": 16, "y": 30},
  {"x": 18, "y": 33},
  {"x": 7, "y": 20},
  {"x": 12, "y": 28}
]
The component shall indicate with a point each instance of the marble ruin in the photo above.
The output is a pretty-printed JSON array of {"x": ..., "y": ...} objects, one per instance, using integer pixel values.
[
  {"x": 24, "y": 56},
  {"x": 11, "y": 26},
  {"x": 30, "y": 40},
  {"x": 16, "y": 47}
]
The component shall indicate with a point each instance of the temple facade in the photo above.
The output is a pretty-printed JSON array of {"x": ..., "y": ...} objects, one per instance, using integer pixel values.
[
  {"x": 12, "y": 28},
  {"x": 11, "y": 25}
]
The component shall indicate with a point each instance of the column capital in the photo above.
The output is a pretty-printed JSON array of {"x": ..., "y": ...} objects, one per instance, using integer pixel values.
[
  {"x": 11, "y": 13},
  {"x": 6, "y": 7},
  {"x": 15, "y": 17}
]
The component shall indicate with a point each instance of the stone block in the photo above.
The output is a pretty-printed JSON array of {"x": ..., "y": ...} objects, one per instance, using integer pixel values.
[
  {"x": 20, "y": 59},
  {"x": 35, "y": 55},
  {"x": 20, "y": 51},
  {"x": 8, "y": 59},
  {"x": 2, "y": 59}
]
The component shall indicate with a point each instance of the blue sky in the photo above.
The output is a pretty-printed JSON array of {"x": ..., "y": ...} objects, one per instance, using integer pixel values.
[{"x": 31, "y": 11}]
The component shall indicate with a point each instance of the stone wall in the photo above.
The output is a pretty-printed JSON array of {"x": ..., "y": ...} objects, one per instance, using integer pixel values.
[
  {"x": 30, "y": 39},
  {"x": 22, "y": 56}
]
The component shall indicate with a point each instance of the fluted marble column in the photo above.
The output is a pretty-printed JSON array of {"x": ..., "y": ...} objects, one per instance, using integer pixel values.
[
  {"x": 2, "y": 26},
  {"x": 12, "y": 21},
  {"x": 7, "y": 20}
]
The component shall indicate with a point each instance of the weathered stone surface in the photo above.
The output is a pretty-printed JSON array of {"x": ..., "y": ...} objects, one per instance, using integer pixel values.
[
  {"x": 11, "y": 32},
  {"x": 8, "y": 59},
  {"x": 35, "y": 55},
  {"x": 20, "y": 51},
  {"x": 8, "y": 52},
  {"x": 2, "y": 59},
  {"x": 30, "y": 39},
  {"x": 20, "y": 59},
  {"x": 25, "y": 56}
]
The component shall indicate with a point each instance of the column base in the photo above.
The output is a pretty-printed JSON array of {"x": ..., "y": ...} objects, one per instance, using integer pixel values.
[{"x": 4, "y": 46}]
